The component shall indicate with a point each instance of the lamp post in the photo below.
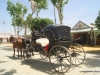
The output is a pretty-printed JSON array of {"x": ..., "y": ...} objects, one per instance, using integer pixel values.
[
  {"x": 4, "y": 37},
  {"x": 54, "y": 15},
  {"x": 33, "y": 6}
]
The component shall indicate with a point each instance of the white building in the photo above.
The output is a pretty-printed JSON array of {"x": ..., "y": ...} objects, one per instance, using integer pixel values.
[
  {"x": 89, "y": 34},
  {"x": 4, "y": 37}
]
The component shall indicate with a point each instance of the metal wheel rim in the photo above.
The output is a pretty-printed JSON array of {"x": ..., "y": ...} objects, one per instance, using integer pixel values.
[
  {"x": 26, "y": 57},
  {"x": 78, "y": 54},
  {"x": 63, "y": 61}
]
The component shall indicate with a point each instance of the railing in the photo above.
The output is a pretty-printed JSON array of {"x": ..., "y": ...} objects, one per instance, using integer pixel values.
[{"x": 40, "y": 35}]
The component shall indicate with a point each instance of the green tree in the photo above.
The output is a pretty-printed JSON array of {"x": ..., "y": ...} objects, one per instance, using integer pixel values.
[
  {"x": 17, "y": 12},
  {"x": 27, "y": 23},
  {"x": 97, "y": 21},
  {"x": 40, "y": 21},
  {"x": 59, "y": 4},
  {"x": 40, "y": 5}
]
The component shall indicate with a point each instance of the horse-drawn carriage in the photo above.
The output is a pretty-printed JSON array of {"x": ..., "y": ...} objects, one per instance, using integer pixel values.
[{"x": 61, "y": 50}]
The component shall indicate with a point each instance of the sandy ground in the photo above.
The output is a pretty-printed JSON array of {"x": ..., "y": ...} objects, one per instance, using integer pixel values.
[
  {"x": 87, "y": 48},
  {"x": 17, "y": 66}
]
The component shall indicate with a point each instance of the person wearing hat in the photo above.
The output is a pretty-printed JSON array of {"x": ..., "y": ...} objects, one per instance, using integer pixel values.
[
  {"x": 33, "y": 33},
  {"x": 41, "y": 29}
]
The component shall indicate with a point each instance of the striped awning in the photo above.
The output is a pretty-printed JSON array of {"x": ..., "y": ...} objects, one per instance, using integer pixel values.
[{"x": 80, "y": 31}]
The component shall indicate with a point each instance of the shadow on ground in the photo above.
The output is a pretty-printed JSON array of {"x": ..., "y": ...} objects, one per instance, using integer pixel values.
[
  {"x": 14, "y": 58},
  {"x": 3, "y": 61},
  {"x": 93, "y": 61},
  {"x": 6, "y": 48},
  {"x": 41, "y": 65},
  {"x": 2, "y": 70},
  {"x": 8, "y": 72}
]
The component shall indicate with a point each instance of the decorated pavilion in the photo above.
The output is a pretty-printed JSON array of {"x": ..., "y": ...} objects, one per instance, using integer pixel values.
[{"x": 88, "y": 34}]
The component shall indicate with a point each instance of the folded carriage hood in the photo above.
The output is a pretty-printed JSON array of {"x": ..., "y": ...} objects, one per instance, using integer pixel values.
[{"x": 58, "y": 30}]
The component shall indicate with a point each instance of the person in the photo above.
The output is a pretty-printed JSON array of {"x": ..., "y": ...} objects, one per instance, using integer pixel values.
[
  {"x": 41, "y": 29},
  {"x": 11, "y": 39},
  {"x": 33, "y": 33}
]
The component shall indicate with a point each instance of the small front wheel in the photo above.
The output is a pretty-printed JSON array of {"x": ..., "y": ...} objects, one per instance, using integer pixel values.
[
  {"x": 27, "y": 54},
  {"x": 43, "y": 55}
]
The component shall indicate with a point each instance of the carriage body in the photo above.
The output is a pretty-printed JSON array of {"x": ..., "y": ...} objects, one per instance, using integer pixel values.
[
  {"x": 58, "y": 34},
  {"x": 58, "y": 52}
]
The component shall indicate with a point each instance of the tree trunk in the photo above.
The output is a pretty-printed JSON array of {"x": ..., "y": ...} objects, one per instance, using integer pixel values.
[
  {"x": 15, "y": 31},
  {"x": 59, "y": 13},
  {"x": 25, "y": 31},
  {"x": 60, "y": 18},
  {"x": 18, "y": 31}
]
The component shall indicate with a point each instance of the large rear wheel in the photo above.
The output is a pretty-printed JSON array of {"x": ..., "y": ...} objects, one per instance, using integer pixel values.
[{"x": 60, "y": 58}]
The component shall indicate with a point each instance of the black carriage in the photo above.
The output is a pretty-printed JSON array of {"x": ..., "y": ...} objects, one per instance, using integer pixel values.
[{"x": 61, "y": 50}]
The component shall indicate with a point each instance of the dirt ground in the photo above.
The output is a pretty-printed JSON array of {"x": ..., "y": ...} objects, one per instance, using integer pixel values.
[
  {"x": 87, "y": 48},
  {"x": 92, "y": 49},
  {"x": 17, "y": 66}
]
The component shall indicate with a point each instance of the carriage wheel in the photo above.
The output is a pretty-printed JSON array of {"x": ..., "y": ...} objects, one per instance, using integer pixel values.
[
  {"x": 41, "y": 51},
  {"x": 77, "y": 54},
  {"x": 42, "y": 55},
  {"x": 27, "y": 54},
  {"x": 60, "y": 59}
]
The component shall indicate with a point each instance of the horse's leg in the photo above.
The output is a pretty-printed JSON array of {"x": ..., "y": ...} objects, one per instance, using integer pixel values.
[
  {"x": 21, "y": 52},
  {"x": 18, "y": 52},
  {"x": 14, "y": 51}
]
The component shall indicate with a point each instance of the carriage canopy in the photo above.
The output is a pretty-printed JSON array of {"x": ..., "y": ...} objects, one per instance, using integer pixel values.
[{"x": 58, "y": 31}]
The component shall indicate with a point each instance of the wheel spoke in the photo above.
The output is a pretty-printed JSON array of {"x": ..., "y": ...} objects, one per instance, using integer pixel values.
[
  {"x": 57, "y": 59},
  {"x": 61, "y": 66},
  {"x": 78, "y": 59},
  {"x": 78, "y": 54}
]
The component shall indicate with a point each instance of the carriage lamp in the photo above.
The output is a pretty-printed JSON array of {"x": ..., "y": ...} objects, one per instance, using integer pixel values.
[{"x": 33, "y": 6}]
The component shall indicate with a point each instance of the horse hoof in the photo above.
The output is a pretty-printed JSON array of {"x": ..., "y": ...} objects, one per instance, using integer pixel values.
[
  {"x": 32, "y": 54},
  {"x": 13, "y": 56}
]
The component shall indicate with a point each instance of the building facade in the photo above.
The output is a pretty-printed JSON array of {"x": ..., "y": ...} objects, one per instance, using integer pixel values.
[
  {"x": 4, "y": 37},
  {"x": 88, "y": 34}
]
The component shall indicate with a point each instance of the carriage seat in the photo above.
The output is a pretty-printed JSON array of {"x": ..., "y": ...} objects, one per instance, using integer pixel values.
[
  {"x": 43, "y": 41},
  {"x": 51, "y": 36}
]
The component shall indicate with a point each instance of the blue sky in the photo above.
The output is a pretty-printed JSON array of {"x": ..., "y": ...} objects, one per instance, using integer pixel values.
[{"x": 74, "y": 11}]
